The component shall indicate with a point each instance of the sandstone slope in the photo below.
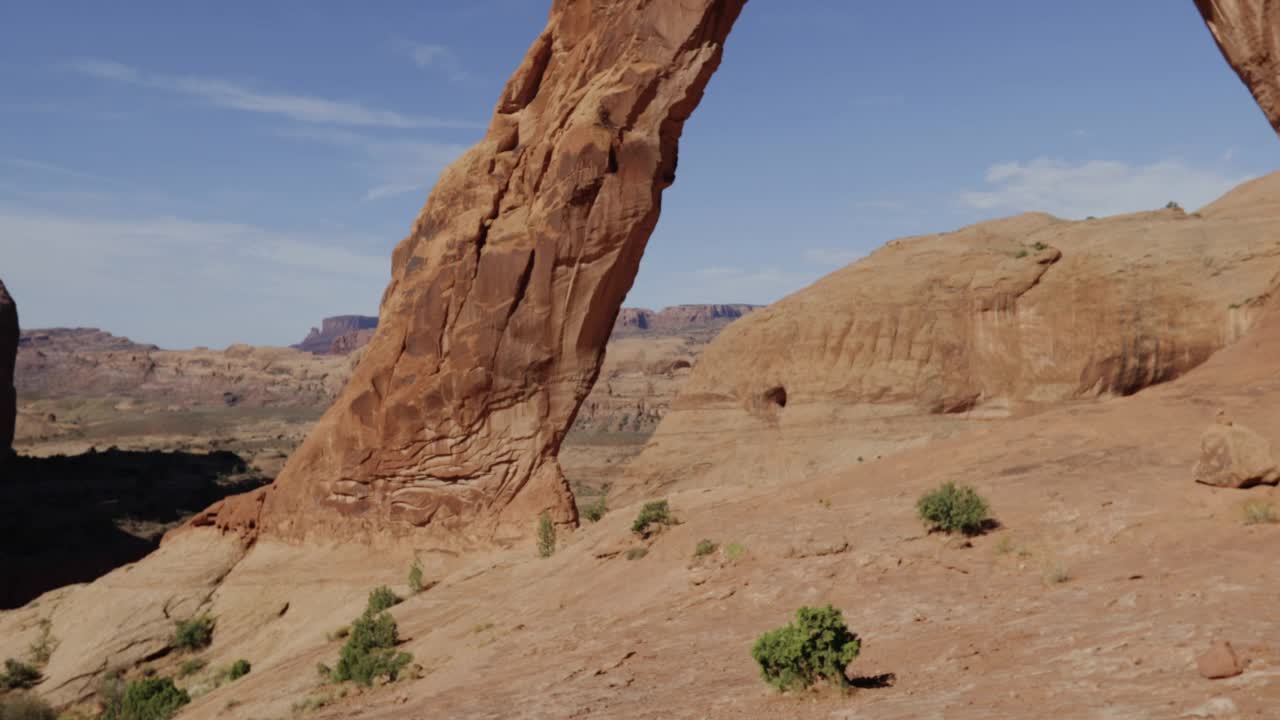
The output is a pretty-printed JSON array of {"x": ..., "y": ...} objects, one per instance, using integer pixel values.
[{"x": 1001, "y": 318}]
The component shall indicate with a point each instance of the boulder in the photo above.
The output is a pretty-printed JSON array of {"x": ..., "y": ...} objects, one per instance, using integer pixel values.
[
  {"x": 1219, "y": 661},
  {"x": 493, "y": 328},
  {"x": 8, "y": 360},
  {"x": 1234, "y": 456}
]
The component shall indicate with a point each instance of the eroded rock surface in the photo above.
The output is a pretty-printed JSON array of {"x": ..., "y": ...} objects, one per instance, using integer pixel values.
[
  {"x": 1248, "y": 33},
  {"x": 1007, "y": 317},
  {"x": 1234, "y": 456},
  {"x": 503, "y": 296},
  {"x": 8, "y": 358}
]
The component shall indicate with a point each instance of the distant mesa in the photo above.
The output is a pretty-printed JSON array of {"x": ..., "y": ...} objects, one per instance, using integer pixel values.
[
  {"x": 344, "y": 334},
  {"x": 339, "y": 335},
  {"x": 678, "y": 318}
]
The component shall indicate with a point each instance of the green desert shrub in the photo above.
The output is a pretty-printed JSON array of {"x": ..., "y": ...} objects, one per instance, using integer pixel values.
[
  {"x": 25, "y": 706},
  {"x": 817, "y": 645},
  {"x": 193, "y": 634},
  {"x": 18, "y": 675},
  {"x": 704, "y": 547},
  {"x": 148, "y": 699},
  {"x": 595, "y": 510},
  {"x": 546, "y": 536},
  {"x": 238, "y": 669},
  {"x": 653, "y": 517},
  {"x": 415, "y": 576},
  {"x": 953, "y": 508},
  {"x": 636, "y": 553},
  {"x": 382, "y": 598},
  {"x": 191, "y": 667},
  {"x": 370, "y": 650}
]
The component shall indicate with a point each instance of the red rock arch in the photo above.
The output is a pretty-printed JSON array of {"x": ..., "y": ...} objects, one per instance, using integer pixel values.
[{"x": 503, "y": 296}]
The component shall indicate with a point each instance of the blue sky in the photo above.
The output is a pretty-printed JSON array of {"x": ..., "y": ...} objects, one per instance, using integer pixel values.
[{"x": 209, "y": 173}]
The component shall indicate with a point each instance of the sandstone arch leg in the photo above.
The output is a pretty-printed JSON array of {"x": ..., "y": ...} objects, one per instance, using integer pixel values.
[
  {"x": 503, "y": 296},
  {"x": 1248, "y": 33}
]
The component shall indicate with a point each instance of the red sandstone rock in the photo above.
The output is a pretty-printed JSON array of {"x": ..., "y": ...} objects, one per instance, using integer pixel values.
[
  {"x": 8, "y": 359},
  {"x": 1219, "y": 661},
  {"x": 1234, "y": 456},
  {"x": 1248, "y": 33},
  {"x": 349, "y": 342},
  {"x": 503, "y": 296}
]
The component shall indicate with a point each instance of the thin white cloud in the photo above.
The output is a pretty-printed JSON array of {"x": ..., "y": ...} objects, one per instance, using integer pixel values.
[
  {"x": 434, "y": 57},
  {"x": 394, "y": 167},
  {"x": 831, "y": 257},
  {"x": 1097, "y": 187},
  {"x": 55, "y": 169},
  {"x": 226, "y": 94},
  {"x": 182, "y": 282},
  {"x": 390, "y": 190}
]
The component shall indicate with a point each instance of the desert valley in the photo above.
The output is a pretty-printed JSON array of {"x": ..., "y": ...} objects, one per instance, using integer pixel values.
[{"x": 1032, "y": 461}]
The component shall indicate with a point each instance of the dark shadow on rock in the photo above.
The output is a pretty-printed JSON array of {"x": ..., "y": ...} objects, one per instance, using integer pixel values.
[
  {"x": 67, "y": 520},
  {"x": 873, "y": 682}
]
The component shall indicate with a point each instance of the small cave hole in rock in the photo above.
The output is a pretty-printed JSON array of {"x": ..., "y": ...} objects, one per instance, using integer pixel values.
[{"x": 776, "y": 396}]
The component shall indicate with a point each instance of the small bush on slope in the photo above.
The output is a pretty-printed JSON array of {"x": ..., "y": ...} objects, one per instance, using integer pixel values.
[
  {"x": 148, "y": 699},
  {"x": 193, "y": 634},
  {"x": 382, "y": 598},
  {"x": 370, "y": 648},
  {"x": 18, "y": 675},
  {"x": 954, "y": 509},
  {"x": 238, "y": 669},
  {"x": 596, "y": 510},
  {"x": 546, "y": 536},
  {"x": 415, "y": 576},
  {"x": 656, "y": 513},
  {"x": 818, "y": 645}
]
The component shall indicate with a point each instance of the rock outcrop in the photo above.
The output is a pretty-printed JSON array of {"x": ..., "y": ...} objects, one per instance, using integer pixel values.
[
  {"x": 1006, "y": 317},
  {"x": 1248, "y": 33},
  {"x": 347, "y": 343},
  {"x": 1234, "y": 456},
  {"x": 503, "y": 296},
  {"x": 320, "y": 341},
  {"x": 8, "y": 360},
  {"x": 1219, "y": 661}
]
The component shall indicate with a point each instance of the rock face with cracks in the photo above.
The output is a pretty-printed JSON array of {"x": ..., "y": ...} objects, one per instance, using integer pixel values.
[
  {"x": 1248, "y": 33},
  {"x": 8, "y": 359},
  {"x": 503, "y": 296}
]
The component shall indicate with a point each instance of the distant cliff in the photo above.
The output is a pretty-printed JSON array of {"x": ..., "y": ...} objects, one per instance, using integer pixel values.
[
  {"x": 678, "y": 318},
  {"x": 353, "y": 330}
]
